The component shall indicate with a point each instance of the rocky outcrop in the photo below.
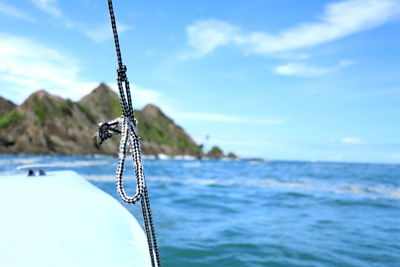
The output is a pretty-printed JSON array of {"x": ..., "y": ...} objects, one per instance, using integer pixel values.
[
  {"x": 231, "y": 155},
  {"x": 160, "y": 135},
  {"x": 45, "y": 123},
  {"x": 215, "y": 153},
  {"x": 6, "y": 105}
]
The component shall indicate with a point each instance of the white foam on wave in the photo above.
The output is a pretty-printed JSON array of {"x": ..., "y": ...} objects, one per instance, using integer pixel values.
[
  {"x": 100, "y": 178},
  {"x": 19, "y": 161},
  {"x": 166, "y": 157},
  {"x": 63, "y": 164},
  {"x": 184, "y": 157},
  {"x": 304, "y": 184},
  {"x": 195, "y": 164},
  {"x": 150, "y": 157},
  {"x": 80, "y": 163},
  {"x": 395, "y": 194},
  {"x": 163, "y": 157},
  {"x": 378, "y": 191}
]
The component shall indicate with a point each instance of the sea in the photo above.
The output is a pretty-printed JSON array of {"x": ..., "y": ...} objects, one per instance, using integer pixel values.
[{"x": 258, "y": 213}]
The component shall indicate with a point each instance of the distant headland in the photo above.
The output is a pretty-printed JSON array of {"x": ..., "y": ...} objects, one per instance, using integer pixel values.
[{"x": 48, "y": 124}]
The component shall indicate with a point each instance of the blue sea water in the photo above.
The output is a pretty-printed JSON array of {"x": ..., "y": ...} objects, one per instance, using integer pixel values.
[{"x": 248, "y": 213}]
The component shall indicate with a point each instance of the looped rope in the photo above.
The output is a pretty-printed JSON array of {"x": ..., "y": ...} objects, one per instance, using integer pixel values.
[{"x": 129, "y": 138}]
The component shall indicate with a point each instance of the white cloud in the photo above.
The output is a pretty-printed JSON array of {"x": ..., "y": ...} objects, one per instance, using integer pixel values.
[
  {"x": 338, "y": 20},
  {"x": 352, "y": 141},
  {"x": 144, "y": 96},
  {"x": 99, "y": 33},
  {"x": 48, "y": 6},
  {"x": 206, "y": 35},
  {"x": 306, "y": 70},
  {"x": 27, "y": 66},
  {"x": 396, "y": 156},
  {"x": 14, "y": 12}
]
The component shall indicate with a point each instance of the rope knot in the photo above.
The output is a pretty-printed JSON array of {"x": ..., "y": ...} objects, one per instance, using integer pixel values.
[
  {"x": 107, "y": 130},
  {"x": 122, "y": 72}
]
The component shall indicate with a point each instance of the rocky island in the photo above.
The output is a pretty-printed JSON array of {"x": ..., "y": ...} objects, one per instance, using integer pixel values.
[{"x": 48, "y": 124}]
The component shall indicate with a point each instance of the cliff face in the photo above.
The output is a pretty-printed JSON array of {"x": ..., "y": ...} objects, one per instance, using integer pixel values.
[
  {"x": 161, "y": 135},
  {"x": 5, "y": 105},
  {"x": 45, "y": 123}
]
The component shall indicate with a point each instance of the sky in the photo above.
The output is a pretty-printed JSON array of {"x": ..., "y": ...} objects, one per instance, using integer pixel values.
[{"x": 284, "y": 80}]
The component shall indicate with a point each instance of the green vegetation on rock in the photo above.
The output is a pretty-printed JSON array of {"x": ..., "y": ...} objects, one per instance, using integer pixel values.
[
  {"x": 47, "y": 108},
  {"x": 156, "y": 131},
  {"x": 66, "y": 107},
  {"x": 231, "y": 155},
  {"x": 7, "y": 119},
  {"x": 115, "y": 108},
  {"x": 40, "y": 111},
  {"x": 186, "y": 144},
  {"x": 215, "y": 152},
  {"x": 87, "y": 112},
  {"x": 156, "y": 128}
]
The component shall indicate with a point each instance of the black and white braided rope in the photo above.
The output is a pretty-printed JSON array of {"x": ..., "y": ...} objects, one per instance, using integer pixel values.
[{"x": 131, "y": 140}]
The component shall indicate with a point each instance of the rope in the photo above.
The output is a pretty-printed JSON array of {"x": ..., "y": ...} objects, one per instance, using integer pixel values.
[{"x": 131, "y": 140}]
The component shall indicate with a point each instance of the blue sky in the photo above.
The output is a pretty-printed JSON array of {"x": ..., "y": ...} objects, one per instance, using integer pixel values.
[{"x": 303, "y": 80}]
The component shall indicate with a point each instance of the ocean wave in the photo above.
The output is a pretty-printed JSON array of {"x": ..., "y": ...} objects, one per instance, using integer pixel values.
[
  {"x": 80, "y": 163},
  {"x": 19, "y": 161},
  {"x": 194, "y": 164},
  {"x": 377, "y": 191},
  {"x": 100, "y": 178},
  {"x": 56, "y": 164}
]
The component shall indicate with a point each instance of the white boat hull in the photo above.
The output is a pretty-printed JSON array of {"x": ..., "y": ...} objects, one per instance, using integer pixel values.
[{"x": 62, "y": 220}]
